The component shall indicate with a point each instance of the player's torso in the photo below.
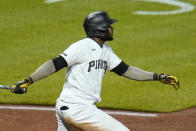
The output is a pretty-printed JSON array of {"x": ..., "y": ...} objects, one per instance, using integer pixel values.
[{"x": 88, "y": 74}]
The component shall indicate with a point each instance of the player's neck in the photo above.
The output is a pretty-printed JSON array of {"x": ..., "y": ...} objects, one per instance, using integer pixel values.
[{"x": 99, "y": 41}]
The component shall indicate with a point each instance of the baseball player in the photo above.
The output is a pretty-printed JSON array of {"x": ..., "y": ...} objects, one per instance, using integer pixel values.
[{"x": 87, "y": 61}]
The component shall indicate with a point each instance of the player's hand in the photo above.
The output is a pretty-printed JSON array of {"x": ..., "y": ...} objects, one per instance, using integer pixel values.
[
  {"x": 170, "y": 80},
  {"x": 21, "y": 86}
]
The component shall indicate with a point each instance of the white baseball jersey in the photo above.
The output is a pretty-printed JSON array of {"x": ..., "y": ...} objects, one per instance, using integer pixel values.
[{"x": 87, "y": 64}]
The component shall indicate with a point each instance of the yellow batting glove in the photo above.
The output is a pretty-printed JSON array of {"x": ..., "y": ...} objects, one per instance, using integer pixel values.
[
  {"x": 170, "y": 80},
  {"x": 21, "y": 86}
]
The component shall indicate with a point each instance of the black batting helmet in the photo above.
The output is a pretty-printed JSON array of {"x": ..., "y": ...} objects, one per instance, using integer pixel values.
[{"x": 96, "y": 24}]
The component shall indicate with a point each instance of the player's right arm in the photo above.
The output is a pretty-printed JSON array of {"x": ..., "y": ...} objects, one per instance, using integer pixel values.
[
  {"x": 48, "y": 68},
  {"x": 42, "y": 72}
]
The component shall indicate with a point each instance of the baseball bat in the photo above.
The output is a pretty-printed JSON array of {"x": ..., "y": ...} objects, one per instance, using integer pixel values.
[{"x": 6, "y": 87}]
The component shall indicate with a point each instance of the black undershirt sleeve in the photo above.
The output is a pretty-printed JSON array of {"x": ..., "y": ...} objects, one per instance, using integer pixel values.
[
  {"x": 59, "y": 63},
  {"x": 120, "y": 69}
]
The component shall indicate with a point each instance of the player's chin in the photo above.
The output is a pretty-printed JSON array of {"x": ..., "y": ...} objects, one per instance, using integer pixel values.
[{"x": 108, "y": 38}]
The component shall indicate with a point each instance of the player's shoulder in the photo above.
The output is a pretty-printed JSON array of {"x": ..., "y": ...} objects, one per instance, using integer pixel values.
[
  {"x": 79, "y": 44},
  {"x": 82, "y": 42}
]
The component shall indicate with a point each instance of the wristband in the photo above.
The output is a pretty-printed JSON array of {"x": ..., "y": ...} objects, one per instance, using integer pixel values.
[
  {"x": 155, "y": 76},
  {"x": 30, "y": 80}
]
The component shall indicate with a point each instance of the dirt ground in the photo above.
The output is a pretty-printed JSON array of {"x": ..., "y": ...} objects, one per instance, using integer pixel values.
[{"x": 32, "y": 120}]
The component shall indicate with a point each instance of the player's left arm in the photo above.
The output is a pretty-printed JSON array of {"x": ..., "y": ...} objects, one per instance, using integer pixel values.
[{"x": 138, "y": 74}]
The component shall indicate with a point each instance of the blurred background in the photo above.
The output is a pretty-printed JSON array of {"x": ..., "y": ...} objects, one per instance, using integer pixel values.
[{"x": 154, "y": 35}]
